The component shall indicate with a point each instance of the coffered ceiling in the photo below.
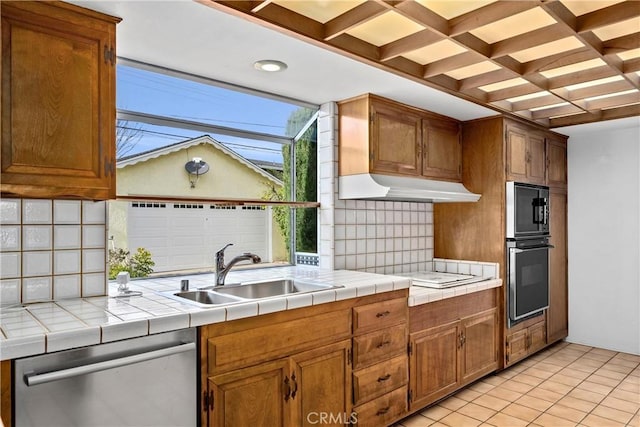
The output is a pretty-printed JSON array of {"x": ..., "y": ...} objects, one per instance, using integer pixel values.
[{"x": 559, "y": 63}]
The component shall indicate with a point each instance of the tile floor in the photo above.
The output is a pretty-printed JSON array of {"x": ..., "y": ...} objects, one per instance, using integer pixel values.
[{"x": 565, "y": 385}]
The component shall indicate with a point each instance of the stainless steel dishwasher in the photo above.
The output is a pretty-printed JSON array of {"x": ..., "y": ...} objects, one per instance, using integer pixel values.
[{"x": 147, "y": 381}]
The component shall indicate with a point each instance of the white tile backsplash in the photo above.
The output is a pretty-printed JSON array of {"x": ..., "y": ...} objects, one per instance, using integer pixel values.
[
  {"x": 37, "y": 237},
  {"x": 10, "y": 238},
  {"x": 67, "y": 236},
  {"x": 36, "y": 211},
  {"x": 67, "y": 211},
  {"x": 44, "y": 245},
  {"x": 10, "y": 211},
  {"x": 37, "y": 263}
]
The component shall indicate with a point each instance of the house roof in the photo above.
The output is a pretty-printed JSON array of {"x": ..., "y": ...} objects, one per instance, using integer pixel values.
[{"x": 203, "y": 139}]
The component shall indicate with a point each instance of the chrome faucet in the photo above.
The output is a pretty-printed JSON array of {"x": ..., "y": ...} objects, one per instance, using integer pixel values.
[{"x": 222, "y": 270}]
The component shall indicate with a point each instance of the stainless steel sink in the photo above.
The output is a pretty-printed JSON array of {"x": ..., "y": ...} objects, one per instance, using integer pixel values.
[
  {"x": 270, "y": 288},
  {"x": 202, "y": 298}
]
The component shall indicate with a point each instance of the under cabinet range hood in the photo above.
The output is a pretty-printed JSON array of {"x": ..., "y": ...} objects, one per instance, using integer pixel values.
[{"x": 385, "y": 187}]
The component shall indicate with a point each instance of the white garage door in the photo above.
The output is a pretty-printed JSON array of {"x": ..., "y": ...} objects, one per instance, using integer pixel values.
[{"x": 186, "y": 236}]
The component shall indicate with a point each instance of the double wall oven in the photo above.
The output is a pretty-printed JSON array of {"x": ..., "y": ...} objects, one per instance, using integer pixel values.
[{"x": 527, "y": 221}]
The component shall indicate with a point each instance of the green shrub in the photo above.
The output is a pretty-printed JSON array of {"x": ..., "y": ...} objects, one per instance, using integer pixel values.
[{"x": 137, "y": 265}]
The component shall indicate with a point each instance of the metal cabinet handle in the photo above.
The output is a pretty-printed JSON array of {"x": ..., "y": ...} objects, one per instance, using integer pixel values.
[
  {"x": 35, "y": 379},
  {"x": 383, "y": 314},
  {"x": 383, "y": 411},
  {"x": 384, "y": 378},
  {"x": 295, "y": 386},
  {"x": 287, "y": 389}
]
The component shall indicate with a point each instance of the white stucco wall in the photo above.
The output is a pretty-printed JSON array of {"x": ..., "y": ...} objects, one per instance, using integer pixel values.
[{"x": 604, "y": 235}]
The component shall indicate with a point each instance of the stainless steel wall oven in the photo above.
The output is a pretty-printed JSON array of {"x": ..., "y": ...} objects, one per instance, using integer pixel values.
[{"x": 527, "y": 221}]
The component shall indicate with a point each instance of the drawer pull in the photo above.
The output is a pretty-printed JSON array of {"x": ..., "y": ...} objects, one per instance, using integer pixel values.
[
  {"x": 383, "y": 314},
  {"x": 383, "y": 343},
  {"x": 384, "y": 378},
  {"x": 383, "y": 411},
  {"x": 287, "y": 389}
]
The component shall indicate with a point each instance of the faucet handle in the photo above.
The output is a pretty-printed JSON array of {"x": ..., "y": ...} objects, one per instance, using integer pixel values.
[{"x": 225, "y": 247}]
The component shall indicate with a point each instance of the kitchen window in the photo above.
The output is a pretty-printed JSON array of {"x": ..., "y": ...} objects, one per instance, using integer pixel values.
[{"x": 212, "y": 164}]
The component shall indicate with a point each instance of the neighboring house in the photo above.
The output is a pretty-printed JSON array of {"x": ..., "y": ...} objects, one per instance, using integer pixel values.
[{"x": 184, "y": 236}]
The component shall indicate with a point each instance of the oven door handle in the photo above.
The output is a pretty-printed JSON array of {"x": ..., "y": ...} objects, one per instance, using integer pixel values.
[
  {"x": 36, "y": 379},
  {"x": 518, "y": 250}
]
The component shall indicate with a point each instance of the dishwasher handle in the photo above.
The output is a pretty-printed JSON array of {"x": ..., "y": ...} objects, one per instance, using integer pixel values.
[{"x": 36, "y": 379}]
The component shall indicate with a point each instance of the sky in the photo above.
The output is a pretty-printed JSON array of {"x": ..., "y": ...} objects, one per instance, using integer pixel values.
[{"x": 153, "y": 93}]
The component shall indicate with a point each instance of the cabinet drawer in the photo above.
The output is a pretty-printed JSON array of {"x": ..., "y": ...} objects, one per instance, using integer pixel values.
[
  {"x": 379, "y": 345},
  {"x": 383, "y": 410},
  {"x": 379, "y": 379},
  {"x": 371, "y": 317}
]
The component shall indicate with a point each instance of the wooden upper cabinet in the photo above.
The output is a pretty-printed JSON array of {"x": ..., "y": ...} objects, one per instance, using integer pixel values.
[
  {"x": 526, "y": 160},
  {"x": 442, "y": 149},
  {"x": 58, "y": 101},
  {"x": 380, "y": 136},
  {"x": 395, "y": 140},
  {"x": 556, "y": 162}
]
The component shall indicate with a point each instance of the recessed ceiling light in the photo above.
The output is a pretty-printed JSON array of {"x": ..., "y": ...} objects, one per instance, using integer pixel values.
[{"x": 270, "y": 65}]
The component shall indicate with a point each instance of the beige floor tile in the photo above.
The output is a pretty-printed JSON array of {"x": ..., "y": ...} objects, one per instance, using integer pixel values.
[
  {"x": 506, "y": 394},
  {"x": 417, "y": 421},
  {"x": 586, "y": 395},
  {"x": 589, "y": 362},
  {"x": 548, "y": 420},
  {"x": 481, "y": 387},
  {"x": 521, "y": 412},
  {"x": 603, "y": 380},
  {"x": 507, "y": 374},
  {"x": 493, "y": 380},
  {"x": 438, "y": 424},
  {"x": 556, "y": 386},
  {"x": 635, "y": 421},
  {"x": 436, "y": 413},
  {"x": 582, "y": 367},
  {"x": 623, "y": 362},
  {"x": 579, "y": 404},
  {"x": 453, "y": 403},
  {"x": 476, "y": 411},
  {"x": 618, "y": 368},
  {"x": 527, "y": 379},
  {"x": 468, "y": 395},
  {"x": 628, "y": 356},
  {"x": 548, "y": 367},
  {"x": 579, "y": 348},
  {"x": 574, "y": 373},
  {"x": 567, "y": 413},
  {"x": 604, "y": 372},
  {"x": 560, "y": 361},
  {"x": 597, "y": 356},
  {"x": 625, "y": 385},
  {"x": 612, "y": 414},
  {"x": 500, "y": 419},
  {"x": 491, "y": 402},
  {"x": 592, "y": 420},
  {"x": 595, "y": 388},
  {"x": 547, "y": 395},
  {"x": 534, "y": 402},
  {"x": 456, "y": 419},
  {"x": 517, "y": 386},
  {"x": 603, "y": 351},
  {"x": 567, "y": 380},
  {"x": 538, "y": 373},
  {"x": 629, "y": 396},
  {"x": 621, "y": 405}
]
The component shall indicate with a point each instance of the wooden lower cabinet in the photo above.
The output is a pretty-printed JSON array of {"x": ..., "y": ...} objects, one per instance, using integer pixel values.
[
  {"x": 452, "y": 343},
  {"x": 525, "y": 339},
  {"x": 294, "y": 391}
]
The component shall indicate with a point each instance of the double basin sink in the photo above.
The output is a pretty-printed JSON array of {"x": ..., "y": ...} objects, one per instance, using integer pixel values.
[{"x": 243, "y": 292}]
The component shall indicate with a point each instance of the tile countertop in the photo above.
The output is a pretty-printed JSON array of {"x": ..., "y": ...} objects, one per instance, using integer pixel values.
[
  {"x": 419, "y": 295},
  {"x": 53, "y": 326}
]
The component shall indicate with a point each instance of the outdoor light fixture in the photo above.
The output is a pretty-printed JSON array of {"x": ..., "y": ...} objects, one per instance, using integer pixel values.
[
  {"x": 270, "y": 65},
  {"x": 195, "y": 168}
]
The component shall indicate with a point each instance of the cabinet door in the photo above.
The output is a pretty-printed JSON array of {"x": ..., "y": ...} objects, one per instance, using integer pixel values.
[
  {"x": 557, "y": 313},
  {"x": 396, "y": 137},
  {"x": 433, "y": 371},
  {"x": 255, "y": 396},
  {"x": 536, "y": 159},
  {"x": 479, "y": 349},
  {"x": 556, "y": 162},
  {"x": 58, "y": 102},
  {"x": 537, "y": 335},
  {"x": 517, "y": 344},
  {"x": 321, "y": 384},
  {"x": 516, "y": 154},
  {"x": 441, "y": 149}
]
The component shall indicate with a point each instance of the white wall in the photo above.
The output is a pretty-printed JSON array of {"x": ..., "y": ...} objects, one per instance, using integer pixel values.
[{"x": 604, "y": 234}]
